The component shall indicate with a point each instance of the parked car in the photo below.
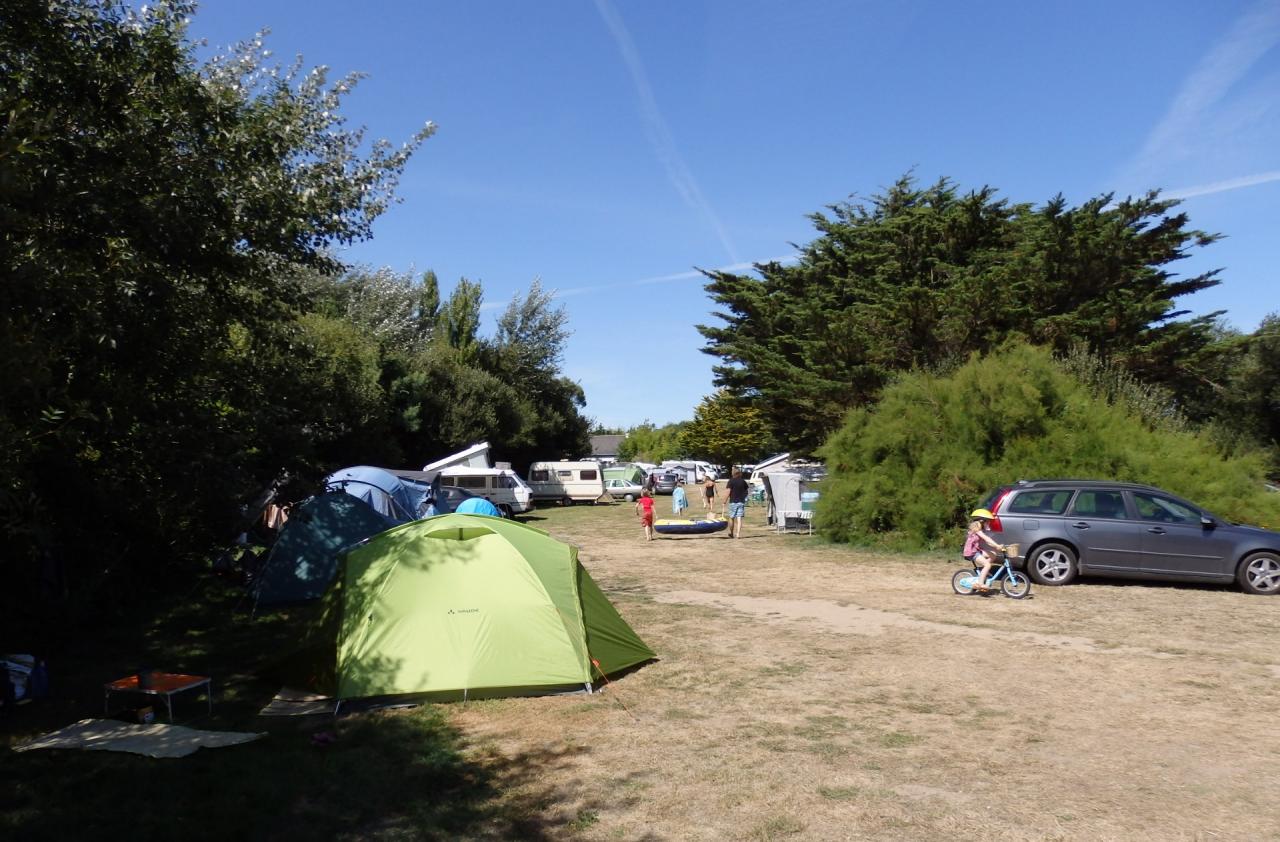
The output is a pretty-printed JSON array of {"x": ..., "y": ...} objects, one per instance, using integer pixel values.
[
  {"x": 623, "y": 488},
  {"x": 664, "y": 482},
  {"x": 1069, "y": 528}
]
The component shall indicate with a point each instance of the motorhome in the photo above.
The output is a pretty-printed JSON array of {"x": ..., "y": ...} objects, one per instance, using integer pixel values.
[
  {"x": 772, "y": 465},
  {"x": 567, "y": 482},
  {"x": 690, "y": 470},
  {"x": 500, "y": 486}
]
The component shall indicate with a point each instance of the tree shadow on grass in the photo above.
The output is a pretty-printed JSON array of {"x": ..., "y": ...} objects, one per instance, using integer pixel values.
[{"x": 401, "y": 775}]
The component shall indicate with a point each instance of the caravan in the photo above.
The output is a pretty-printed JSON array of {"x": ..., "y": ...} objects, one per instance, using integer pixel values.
[
  {"x": 567, "y": 482},
  {"x": 500, "y": 486}
]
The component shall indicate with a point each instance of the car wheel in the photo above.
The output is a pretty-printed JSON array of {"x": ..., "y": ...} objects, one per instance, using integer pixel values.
[
  {"x": 1260, "y": 574},
  {"x": 506, "y": 511},
  {"x": 630, "y": 498},
  {"x": 566, "y": 500},
  {"x": 1052, "y": 564}
]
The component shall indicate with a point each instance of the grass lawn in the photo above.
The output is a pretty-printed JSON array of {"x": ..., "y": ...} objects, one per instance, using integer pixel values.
[{"x": 802, "y": 691}]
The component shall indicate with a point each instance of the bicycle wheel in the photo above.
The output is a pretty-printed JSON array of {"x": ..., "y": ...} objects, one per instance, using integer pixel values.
[
  {"x": 962, "y": 582},
  {"x": 1016, "y": 585}
]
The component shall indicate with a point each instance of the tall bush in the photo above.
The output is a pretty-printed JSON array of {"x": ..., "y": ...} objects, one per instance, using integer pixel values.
[{"x": 906, "y": 472}]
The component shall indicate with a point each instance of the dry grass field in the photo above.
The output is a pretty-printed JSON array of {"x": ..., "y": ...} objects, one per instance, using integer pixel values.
[{"x": 806, "y": 691}]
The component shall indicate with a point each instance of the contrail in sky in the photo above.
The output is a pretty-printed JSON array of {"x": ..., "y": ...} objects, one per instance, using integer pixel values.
[
  {"x": 656, "y": 127},
  {"x": 662, "y": 279},
  {"x": 1223, "y": 186},
  {"x": 1251, "y": 37},
  {"x": 657, "y": 279}
]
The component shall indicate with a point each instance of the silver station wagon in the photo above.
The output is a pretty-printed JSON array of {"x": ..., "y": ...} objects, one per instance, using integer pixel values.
[{"x": 1070, "y": 528}]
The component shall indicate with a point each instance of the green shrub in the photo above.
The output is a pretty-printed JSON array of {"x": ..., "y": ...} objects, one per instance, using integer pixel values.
[{"x": 906, "y": 472}]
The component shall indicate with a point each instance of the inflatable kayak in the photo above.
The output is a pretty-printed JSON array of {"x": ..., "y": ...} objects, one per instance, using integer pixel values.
[{"x": 701, "y": 526}]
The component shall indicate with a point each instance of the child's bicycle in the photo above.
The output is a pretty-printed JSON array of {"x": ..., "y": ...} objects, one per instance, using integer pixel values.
[{"x": 1013, "y": 584}]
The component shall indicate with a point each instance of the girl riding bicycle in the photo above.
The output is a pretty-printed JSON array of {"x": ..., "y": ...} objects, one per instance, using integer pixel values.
[{"x": 973, "y": 549}]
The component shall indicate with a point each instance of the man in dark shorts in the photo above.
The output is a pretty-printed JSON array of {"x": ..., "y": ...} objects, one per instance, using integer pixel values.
[{"x": 735, "y": 497}]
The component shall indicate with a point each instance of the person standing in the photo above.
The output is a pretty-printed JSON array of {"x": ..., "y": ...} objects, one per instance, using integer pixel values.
[
  {"x": 709, "y": 494},
  {"x": 679, "y": 502},
  {"x": 644, "y": 510},
  {"x": 735, "y": 498}
]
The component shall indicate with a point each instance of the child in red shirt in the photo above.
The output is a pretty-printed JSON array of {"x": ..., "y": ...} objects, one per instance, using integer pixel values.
[{"x": 644, "y": 509}]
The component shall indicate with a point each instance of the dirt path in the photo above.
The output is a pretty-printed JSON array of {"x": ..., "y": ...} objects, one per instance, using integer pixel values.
[{"x": 812, "y": 692}]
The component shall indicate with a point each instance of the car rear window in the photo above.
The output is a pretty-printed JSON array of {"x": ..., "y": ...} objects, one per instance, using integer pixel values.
[
  {"x": 1039, "y": 502},
  {"x": 991, "y": 499},
  {"x": 1101, "y": 504}
]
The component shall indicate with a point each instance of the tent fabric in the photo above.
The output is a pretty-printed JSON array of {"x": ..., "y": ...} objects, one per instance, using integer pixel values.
[
  {"x": 478, "y": 506},
  {"x": 467, "y": 606},
  {"x": 304, "y": 559},
  {"x": 385, "y": 493},
  {"x": 633, "y": 473},
  {"x": 786, "y": 506}
]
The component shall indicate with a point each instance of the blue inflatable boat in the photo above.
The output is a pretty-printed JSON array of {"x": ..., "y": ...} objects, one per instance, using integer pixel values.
[{"x": 701, "y": 526}]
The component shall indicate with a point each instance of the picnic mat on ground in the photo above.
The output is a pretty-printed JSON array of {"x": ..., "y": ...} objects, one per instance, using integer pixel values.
[
  {"x": 154, "y": 740},
  {"x": 290, "y": 702}
]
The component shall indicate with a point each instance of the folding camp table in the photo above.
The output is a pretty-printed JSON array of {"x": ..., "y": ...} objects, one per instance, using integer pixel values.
[{"x": 159, "y": 684}]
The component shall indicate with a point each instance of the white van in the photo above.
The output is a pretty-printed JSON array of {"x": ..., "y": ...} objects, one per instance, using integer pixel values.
[
  {"x": 502, "y": 487},
  {"x": 567, "y": 482}
]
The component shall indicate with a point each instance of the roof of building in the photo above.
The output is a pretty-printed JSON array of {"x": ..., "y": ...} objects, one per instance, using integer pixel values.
[{"x": 606, "y": 445}]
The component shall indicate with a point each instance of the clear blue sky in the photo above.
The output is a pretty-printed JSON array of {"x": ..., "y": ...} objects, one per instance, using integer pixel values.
[{"x": 610, "y": 147}]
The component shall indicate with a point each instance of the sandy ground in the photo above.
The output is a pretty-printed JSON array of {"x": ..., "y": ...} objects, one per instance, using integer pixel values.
[{"x": 806, "y": 691}]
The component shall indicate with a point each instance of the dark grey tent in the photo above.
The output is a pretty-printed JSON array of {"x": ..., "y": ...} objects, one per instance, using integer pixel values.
[{"x": 305, "y": 556}]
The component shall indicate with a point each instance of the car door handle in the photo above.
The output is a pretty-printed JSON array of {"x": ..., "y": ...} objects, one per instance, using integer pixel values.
[
  {"x": 1081, "y": 525},
  {"x": 1157, "y": 530}
]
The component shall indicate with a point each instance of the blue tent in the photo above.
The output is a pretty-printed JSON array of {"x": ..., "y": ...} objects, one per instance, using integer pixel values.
[
  {"x": 478, "y": 506},
  {"x": 305, "y": 556},
  {"x": 434, "y": 500},
  {"x": 385, "y": 493}
]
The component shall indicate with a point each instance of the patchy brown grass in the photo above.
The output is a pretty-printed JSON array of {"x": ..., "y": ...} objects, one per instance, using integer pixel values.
[{"x": 806, "y": 691}]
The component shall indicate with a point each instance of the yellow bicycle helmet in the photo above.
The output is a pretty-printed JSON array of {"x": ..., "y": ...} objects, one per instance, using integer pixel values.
[{"x": 984, "y": 514}]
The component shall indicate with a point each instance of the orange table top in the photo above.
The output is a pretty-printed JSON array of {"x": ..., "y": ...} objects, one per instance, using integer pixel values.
[{"x": 161, "y": 682}]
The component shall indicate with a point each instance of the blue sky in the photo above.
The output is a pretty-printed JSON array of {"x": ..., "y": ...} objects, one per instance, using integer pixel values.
[{"x": 608, "y": 147}]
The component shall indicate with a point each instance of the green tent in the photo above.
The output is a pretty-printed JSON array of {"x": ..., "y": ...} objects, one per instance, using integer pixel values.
[
  {"x": 304, "y": 559},
  {"x": 627, "y": 471},
  {"x": 463, "y": 606}
]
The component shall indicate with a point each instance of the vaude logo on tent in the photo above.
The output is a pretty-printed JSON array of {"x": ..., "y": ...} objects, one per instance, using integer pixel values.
[{"x": 465, "y": 611}]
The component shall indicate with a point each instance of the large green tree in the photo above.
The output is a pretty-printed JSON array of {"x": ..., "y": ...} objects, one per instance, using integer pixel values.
[
  {"x": 647, "y": 442},
  {"x": 527, "y": 353},
  {"x": 907, "y": 470},
  {"x": 153, "y": 212},
  {"x": 725, "y": 431},
  {"x": 922, "y": 276},
  {"x": 1249, "y": 392}
]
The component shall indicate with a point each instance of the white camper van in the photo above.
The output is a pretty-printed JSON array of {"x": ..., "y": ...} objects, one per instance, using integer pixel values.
[
  {"x": 568, "y": 482},
  {"x": 502, "y": 487}
]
